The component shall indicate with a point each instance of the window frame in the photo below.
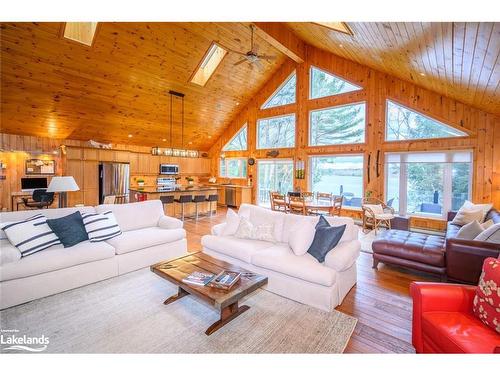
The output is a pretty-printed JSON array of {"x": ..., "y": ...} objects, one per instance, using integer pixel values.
[
  {"x": 309, "y": 174},
  {"x": 386, "y": 114},
  {"x": 245, "y": 125},
  {"x": 309, "y": 135},
  {"x": 243, "y": 158},
  {"x": 283, "y": 84},
  {"x": 257, "y": 131},
  {"x": 310, "y": 97},
  {"x": 447, "y": 190}
]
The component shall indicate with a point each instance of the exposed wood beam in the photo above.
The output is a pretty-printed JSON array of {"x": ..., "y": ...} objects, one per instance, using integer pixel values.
[{"x": 283, "y": 39}]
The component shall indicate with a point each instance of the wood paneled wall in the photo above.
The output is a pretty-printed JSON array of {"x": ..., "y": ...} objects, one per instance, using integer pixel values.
[{"x": 484, "y": 128}]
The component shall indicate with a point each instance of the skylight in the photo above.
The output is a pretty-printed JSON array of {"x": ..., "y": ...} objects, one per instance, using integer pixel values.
[
  {"x": 81, "y": 32},
  {"x": 210, "y": 62},
  {"x": 337, "y": 26}
]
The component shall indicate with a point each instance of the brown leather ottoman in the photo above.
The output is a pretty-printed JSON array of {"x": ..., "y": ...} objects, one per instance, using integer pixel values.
[{"x": 417, "y": 251}]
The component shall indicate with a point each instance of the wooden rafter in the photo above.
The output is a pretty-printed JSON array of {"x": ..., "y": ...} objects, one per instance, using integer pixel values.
[{"x": 283, "y": 39}]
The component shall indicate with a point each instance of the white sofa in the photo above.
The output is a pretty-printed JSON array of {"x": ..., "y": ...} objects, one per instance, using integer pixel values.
[
  {"x": 148, "y": 237},
  {"x": 301, "y": 278}
]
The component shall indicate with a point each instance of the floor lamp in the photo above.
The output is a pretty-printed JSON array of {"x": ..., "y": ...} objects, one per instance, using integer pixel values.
[{"x": 61, "y": 185}]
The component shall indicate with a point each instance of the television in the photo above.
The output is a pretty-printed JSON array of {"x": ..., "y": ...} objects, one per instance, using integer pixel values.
[{"x": 32, "y": 183}]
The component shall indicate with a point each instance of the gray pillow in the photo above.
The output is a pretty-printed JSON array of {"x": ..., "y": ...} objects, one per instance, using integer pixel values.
[
  {"x": 467, "y": 216},
  {"x": 325, "y": 239},
  {"x": 470, "y": 231},
  {"x": 492, "y": 234}
]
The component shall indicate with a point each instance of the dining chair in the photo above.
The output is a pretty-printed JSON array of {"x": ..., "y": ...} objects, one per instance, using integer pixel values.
[
  {"x": 278, "y": 201},
  {"x": 109, "y": 199},
  {"x": 307, "y": 194},
  {"x": 336, "y": 205},
  {"x": 297, "y": 205},
  {"x": 121, "y": 199}
]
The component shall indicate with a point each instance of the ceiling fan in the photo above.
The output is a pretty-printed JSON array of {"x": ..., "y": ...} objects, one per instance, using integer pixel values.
[{"x": 252, "y": 56}]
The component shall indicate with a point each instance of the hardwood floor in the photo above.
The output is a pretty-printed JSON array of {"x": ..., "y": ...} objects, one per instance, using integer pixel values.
[{"x": 380, "y": 300}]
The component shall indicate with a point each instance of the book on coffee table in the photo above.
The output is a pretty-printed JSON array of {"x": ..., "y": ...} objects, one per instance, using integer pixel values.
[{"x": 199, "y": 278}]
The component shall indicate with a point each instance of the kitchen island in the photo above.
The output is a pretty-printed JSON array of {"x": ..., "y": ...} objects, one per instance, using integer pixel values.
[{"x": 139, "y": 193}]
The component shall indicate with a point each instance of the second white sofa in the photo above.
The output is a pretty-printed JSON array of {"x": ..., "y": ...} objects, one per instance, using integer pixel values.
[
  {"x": 301, "y": 278},
  {"x": 148, "y": 237}
]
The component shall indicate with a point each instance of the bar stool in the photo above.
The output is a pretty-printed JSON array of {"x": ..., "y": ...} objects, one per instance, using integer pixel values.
[
  {"x": 183, "y": 199},
  {"x": 212, "y": 198},
  {"x": 197, "y": 200},
  {"x": 166, "y": 200}
]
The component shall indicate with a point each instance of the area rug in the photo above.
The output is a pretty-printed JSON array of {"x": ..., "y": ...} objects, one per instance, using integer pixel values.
[{"x": 126, "y": 315}]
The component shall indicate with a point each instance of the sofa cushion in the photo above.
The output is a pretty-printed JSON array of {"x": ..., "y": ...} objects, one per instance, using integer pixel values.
[
  {"x": 492, "y": 234},
  {"x": 465, "y": 216},
  {"x": 301, "y": 238},
  {"x": 131, "y": 216},
  {"x": 8, "y": 252},
  {"x": 485, "y": 207},
  {"x": 343, "y": 256},
  {"x": 232, "y": 223},
  {"x": 235, "y": 247},
  {"x": 260, "y": 215},
  {"x": 138, "y": 239},
  {"x": 280, "y": 258},
  {"x": 452, "y": 332},
  {"x": 56, "y": 258},
  {"x": 101, "y": 227},
  {"x": 325, "y": 239}
]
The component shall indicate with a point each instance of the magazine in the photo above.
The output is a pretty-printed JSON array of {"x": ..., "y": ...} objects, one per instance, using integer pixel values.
[
  {"x": 199, "y": 278},
  {"x": 225, "y": 280}
]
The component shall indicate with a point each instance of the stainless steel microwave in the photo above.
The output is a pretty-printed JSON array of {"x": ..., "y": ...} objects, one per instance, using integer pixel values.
[{"x": 169, "y": 169}]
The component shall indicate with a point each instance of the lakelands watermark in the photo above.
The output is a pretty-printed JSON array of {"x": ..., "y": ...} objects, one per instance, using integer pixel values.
[{"x": 12, "y": 341}]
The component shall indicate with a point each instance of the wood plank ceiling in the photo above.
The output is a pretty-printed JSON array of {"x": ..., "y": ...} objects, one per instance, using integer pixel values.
[
  {"x": 55, "y": 87},
  {"x": 458, "y": 60}
]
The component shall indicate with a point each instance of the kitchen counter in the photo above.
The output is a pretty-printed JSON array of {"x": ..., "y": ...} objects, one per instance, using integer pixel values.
[
  {"x": 230, "y": 186},
  {"x": 183, "y": 189}
]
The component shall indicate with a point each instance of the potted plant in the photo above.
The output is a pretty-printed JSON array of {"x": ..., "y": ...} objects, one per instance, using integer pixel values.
[
  {"x": 140, "y": 182},
  {"x": 190, "y": 180}
]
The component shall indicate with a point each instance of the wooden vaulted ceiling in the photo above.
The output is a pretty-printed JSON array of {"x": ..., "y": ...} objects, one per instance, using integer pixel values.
[
  {"x": 458, "y": 60},
  {"x": 55, "y": 87}
]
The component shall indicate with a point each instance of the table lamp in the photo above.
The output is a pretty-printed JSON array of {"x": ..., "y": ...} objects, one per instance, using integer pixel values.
[{"x": 61, "y": 185}]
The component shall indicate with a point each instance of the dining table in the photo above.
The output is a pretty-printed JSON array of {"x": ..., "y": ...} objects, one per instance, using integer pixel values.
[{"x": 315, "y": 204}]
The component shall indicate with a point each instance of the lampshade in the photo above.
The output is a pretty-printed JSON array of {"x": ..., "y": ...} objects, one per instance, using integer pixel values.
[{"x": 61, "y": 184}]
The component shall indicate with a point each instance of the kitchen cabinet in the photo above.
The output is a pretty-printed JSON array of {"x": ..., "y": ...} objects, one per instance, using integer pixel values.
[
  {"x": 75, "y": 168},
  {"x": 106, "y": 155},
  {"x": 134, "y": 163},
  {"x": 90, "y": 175},
  {"x": 122, "y": 156},
  {"x": 90, "y": 154},
  {"x": 73, "y": 153},
  {"x": 154, "y": 164}
]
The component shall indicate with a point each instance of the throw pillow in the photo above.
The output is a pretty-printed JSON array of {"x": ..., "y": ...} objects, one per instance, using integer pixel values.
[
  {"x": 69, "y": 229},
  {"x": 301, "y": 237},
  {"x": 486, "y": 305},
  {"x": 487, "y": 224},
  {"x": 262, "y": 232},
  {"x": 325, "y": 239},
  {"x": 101, "y": 227},
  {"x": 470, "y": 231},
  {"x": 485, "y": 207},
  {"x": 466, "y": 216},
  {"x": 232, "y": 223},
  {"x": 492, "y": 234},
  {"x": 31, "y": 235}
]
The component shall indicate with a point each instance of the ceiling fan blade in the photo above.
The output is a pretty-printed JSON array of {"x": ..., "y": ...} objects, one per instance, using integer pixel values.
[
  {"x": 258, "y": 64},
  {"x": 267, "y": 57},
  {"x": 239, "y": 62}
]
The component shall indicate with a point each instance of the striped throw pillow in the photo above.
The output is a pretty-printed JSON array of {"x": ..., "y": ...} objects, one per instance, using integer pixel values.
[
  {"x": 31, "y": 235},
  {"x": 101, "y": 227}
]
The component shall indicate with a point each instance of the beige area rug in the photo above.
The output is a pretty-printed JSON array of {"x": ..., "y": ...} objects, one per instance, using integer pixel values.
[
  {"x": 126, "y": 315},
  {"x": 366, "y": 238}
]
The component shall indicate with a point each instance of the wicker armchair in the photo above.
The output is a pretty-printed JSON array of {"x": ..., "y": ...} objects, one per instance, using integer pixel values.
[{"x": 376, "y": 213}]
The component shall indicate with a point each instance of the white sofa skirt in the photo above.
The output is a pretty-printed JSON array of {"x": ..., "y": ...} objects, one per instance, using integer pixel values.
[{"x": 316, "y": 295}]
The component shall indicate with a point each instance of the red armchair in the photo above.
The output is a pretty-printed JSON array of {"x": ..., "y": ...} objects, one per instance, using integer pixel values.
[{"x": 443, "y": 321}]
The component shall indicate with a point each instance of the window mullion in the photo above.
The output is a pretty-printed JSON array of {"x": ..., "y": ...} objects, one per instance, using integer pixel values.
[{"x": 403, "y": 185}]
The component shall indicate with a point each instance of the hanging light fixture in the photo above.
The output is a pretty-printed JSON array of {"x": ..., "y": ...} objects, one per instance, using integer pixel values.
[{"x": 171, "y": 151}]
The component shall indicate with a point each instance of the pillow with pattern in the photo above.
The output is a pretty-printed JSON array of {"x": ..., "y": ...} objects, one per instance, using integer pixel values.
[{"x": 487, "y": 300}]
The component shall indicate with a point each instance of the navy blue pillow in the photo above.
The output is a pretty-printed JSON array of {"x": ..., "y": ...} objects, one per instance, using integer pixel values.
[
  {"x": 70, "y": 229},
  {"x": 325, "y": 239}
]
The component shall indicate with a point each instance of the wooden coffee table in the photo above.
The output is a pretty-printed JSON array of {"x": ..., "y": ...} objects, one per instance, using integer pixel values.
[{"x": 226, "y": 301}]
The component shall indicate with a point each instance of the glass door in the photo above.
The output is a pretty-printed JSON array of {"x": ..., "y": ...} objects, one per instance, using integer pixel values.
[{"x": 273, "y": 175}]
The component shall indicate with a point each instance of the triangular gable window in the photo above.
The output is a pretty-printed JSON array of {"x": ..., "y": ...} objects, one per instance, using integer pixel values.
[
  {"x": 238, "y": 142},
  {"x": 285, "y": 94},
  {"x": 403, "y": 123},
  {"x": 326, "y": 84}
]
